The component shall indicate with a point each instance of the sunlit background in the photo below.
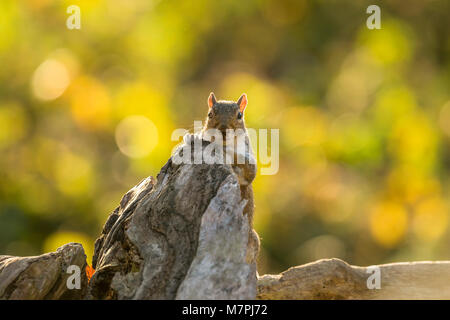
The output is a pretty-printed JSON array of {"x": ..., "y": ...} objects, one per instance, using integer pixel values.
[{"x": 364, "y": 118}]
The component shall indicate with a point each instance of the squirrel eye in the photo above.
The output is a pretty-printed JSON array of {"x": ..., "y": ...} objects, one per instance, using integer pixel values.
[
  {"x": 239, "y": 116},
  {"x": 210, "y": 115}
]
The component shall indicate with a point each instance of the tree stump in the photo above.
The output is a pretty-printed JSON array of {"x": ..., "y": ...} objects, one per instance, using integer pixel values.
[{"x": 183, "y": 236}]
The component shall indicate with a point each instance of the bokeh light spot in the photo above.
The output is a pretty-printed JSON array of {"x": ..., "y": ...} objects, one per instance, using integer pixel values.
[
  {"x": 392, "y": 44},
  {"x": 430, "y": 219},
  {"x": 388, "y": 223},
  {"x": 312, "y": 123},
  {"x": 136, "y": 136},
  {"x": 90, "y": 103}
]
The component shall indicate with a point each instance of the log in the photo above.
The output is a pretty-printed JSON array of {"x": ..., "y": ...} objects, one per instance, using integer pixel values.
[
  {"x": 183, "y": 236},
  {"x": 43, "y": 277},
  {"x": 336, "y": 279}
]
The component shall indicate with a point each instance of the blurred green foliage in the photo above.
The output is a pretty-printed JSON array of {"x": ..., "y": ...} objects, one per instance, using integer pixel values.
[{"x": 364, "y": 118}]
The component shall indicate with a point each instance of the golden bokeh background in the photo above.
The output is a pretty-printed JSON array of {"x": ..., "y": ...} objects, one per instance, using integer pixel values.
[{"x": 364, "y": 118}]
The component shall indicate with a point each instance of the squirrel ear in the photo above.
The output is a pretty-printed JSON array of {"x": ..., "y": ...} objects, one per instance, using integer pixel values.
[
  {"x": 211, "y": 100},
  {"x": 242, "y": 102}
]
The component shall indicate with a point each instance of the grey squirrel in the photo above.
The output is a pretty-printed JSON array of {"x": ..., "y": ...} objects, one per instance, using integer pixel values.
[{"x": 229, "y": 115}]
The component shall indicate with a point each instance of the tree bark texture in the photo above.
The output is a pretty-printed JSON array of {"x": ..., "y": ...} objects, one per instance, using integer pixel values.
[{"x": 44, "y": 276}]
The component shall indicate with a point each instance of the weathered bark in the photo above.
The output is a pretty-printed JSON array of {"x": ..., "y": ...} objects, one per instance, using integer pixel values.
[
  {"x": 183, "y": 236},
  {"x": 44, "y": 276},
  {"x": 335, "y": 279}
]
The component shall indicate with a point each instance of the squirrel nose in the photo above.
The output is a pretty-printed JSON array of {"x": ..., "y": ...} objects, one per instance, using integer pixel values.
[{"x": 222, "y": 128}]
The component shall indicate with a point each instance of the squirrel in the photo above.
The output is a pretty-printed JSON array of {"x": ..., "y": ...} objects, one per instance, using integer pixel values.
[{"x": 229, "y": 115}]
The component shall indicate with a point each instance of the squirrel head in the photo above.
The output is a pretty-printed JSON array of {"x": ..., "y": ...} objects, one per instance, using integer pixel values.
[{"x": 224, "y": 115}]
